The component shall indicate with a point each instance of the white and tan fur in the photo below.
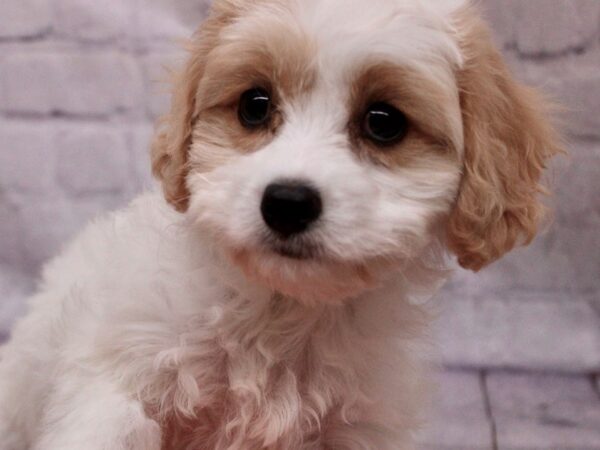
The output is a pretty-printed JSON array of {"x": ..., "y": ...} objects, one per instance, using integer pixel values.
[{"x": 174, "y": 325}]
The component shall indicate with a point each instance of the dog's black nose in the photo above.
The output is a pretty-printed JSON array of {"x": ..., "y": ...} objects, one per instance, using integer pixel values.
[{"x": 289, "y": 208}]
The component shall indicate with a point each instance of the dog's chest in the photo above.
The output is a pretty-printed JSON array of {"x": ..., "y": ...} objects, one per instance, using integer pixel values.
[
  {"x": 251, "y": 404},
  {"x": 250, "y": 387}
]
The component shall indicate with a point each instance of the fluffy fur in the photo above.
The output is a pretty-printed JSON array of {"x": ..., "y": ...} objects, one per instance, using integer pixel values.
[{"x": 182, "y": 324}]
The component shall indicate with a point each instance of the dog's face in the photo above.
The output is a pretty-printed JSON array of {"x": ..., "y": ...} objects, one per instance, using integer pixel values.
[{"x": 323, "y": 142}]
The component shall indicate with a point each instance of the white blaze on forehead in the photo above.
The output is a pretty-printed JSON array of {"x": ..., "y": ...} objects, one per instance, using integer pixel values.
[{"x": 411, "y": 32}]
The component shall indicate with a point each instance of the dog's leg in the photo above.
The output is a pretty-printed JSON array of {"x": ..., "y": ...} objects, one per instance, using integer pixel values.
[{"x": 95, "y": 416}]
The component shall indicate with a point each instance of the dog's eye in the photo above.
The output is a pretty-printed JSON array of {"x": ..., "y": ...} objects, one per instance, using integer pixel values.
[
  {"x": 384, "y": 124},
  {"x": 254, "y": 108}
]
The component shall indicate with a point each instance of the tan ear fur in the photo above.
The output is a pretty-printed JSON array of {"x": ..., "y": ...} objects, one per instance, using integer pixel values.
[
  {"x": 508, "y": 142},
  {"x": 169, "y": 153}
]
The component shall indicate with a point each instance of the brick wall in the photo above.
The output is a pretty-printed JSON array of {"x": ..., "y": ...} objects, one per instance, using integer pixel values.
[
  {"x": 539, "y": 307},
  {"x": 79, "y": 90}
]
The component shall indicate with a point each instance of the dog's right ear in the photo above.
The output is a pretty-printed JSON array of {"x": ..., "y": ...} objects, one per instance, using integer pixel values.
[{"x": 171, "y": 144}]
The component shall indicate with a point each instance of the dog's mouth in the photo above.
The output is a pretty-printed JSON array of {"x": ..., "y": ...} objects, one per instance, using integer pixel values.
[
  {"x": 300, "y": 248},
  {"x": 294, "y": 250},
  {"x": 300, "y": 254},
  {"x": 302, "y": 270}
]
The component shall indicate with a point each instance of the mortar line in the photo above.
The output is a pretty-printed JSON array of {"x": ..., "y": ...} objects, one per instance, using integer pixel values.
[
  {"x": 36, "y": 37},
  {"x": 488, "y": 408},
  {"x": 595, "y": 380}
]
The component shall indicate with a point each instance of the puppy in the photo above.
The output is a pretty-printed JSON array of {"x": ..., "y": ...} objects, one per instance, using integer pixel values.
[{"x": 319, "y": 159}]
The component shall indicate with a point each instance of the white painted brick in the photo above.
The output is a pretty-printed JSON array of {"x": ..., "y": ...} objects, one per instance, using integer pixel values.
[
  {"x": 142, "y": 137},
  {"x": 11, "y": 236},
  {"x": 553, "y": 26},
  {"x": 500, "y": 17},
  {"x": 71, "y": 82},
  {"x": 46, "y": 225},
  {"x": 580, "y": 94},
  {"x": 14, "y": 289},
  {"x": 511, "y": 332},
  {"x": 573, "y": 83},
  {"x": 92, "y": 159},
  {"x": 577, "y": 186},
  {"x": 561, "y": 259},
  {"x": 24, "y": 18},
  {"x": 458, "y": 418},
  {"x": 157, "y": 70},
  {"x": 165, "y": 19},
  {"x": 544, "y": 411},
  {"x": 537, "y": 27},
  {"x": 91, "y": 20},
  {"x": 26, "y": 158}
]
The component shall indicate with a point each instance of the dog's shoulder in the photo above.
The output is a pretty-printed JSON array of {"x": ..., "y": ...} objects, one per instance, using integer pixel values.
[{"x": 119, "y": 240}]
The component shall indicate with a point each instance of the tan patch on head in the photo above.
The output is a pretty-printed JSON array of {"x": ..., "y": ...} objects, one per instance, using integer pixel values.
[
  {"x": 508, "y": 142},
  {"x": 221, "y": 66},
  {"x": 273, "y": 58},
  {"x": 425, "y": 103}
]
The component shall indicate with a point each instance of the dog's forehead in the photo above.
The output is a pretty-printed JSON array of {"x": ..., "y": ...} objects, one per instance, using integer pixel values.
[
  {"x": 395, "y": 29},
  {"x": 359, "y": 13},
  {"x": 347, "y": 34}
]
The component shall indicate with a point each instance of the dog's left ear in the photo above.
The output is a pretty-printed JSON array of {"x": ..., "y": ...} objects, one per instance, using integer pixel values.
[
  {"x": 508, "y": 142},
  {"x": 173, "y": 137}
]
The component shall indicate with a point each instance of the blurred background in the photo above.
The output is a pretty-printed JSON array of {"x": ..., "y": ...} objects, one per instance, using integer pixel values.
[{"x": 80, "y": 87}]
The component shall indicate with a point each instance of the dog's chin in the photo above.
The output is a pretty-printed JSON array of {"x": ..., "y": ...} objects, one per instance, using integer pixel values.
[{"x": 304, "y": 275}]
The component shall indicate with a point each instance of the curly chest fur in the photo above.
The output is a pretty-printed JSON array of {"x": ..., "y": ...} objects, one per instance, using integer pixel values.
[
  {"x": 275, "y": 378},
  {"x": 277, "y": 416}
]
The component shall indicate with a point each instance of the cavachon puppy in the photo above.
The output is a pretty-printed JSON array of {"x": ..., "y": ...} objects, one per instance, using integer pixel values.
[{"x": 319, "y": 160}]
